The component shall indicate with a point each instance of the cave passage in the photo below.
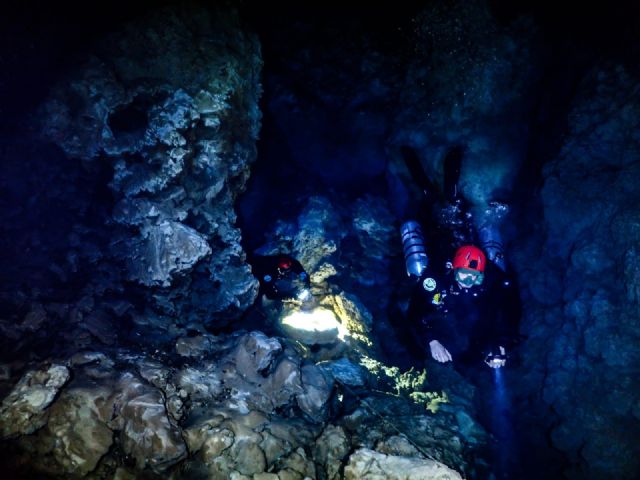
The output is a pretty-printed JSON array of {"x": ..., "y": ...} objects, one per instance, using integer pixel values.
[{"x": 290, "y": 241}]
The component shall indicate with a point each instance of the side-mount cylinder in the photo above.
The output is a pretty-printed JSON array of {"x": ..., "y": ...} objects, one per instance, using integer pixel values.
[
  {"x": 415, "y": 252},
  {"x": 491, "y": 243}
]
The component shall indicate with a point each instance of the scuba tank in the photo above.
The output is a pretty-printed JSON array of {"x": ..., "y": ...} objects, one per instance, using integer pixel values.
[
  {"x": 491, "y": 243},
  {"x": 415, "y": 252}
]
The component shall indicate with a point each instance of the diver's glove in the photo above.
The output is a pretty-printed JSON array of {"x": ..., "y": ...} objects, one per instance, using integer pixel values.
[{"x": 497, "y": 360}]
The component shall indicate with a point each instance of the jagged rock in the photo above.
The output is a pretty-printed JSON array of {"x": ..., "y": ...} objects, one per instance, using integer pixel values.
[
  {"x": 318, "y": 234},
  {"x": 381, "y": 417},
  {"x": 173, "y": 120},
  {"x": 35, "y": 318},
  {"x": 249, "y": 458},
  {"x": 230, "y": 446},
  {"x": 375, "y": 229},
  {"x": 273, "y": 447},
  {"x": 322, "y": 273},
  {"x": 146, "y": 432},
  {"x": 345, "y": 372},
  {"x": 95, "y": 365},
  {"x": 352, "y": 313},
  {"x": 23, "y": 411},
  {"x": 330, "y": 450},
  {"x": 77, "y": 422},
  {"x": 284, "y": 383},
  {"x": 398, "y": 445},
  {"x": 138, "y": 211},
  {"x": 199, "y": 429},
  {"x": 216, "y": 442},
  {"x": 239, "y": 411},
  {"x": 99, "y": 324},
  {"x": 255, "y": 354},
  {"x": 193, "y": 346},
  {"x": 297, "y": 466},
  {"x": 199, "y": 384},
  {"x": 587, "y": 329},
  {"x": 153, "y": 371},
  {"x": 166, "y": 249},
  {"x": 312, "y": 238},
  {"x": 369, "y": 464},
  {"x": 317, "y": 389},
  {"x": 84, "y": 358}
]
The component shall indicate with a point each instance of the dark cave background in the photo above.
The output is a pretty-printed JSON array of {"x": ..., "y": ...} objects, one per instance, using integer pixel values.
[{"x": 544, "y": 99}]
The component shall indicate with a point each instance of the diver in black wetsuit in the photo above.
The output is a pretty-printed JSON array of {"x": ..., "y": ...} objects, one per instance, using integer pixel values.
[
  {"x": 281, "y": 277},
  {"x": 462, "y": 311},
  {"x": 465, "y": 310}
]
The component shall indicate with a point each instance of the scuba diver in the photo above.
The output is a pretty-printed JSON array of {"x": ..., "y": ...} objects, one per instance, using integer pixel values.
[
  {"x": 464, "y": 312},
  {"x": 281, "y": 277},
  {"x": 465, "y": 309}
]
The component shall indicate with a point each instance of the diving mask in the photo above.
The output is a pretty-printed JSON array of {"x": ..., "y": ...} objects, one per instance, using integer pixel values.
[{"x": 468, "y": 278}]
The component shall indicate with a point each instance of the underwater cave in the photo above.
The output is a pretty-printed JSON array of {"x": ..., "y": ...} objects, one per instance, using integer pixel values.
[{"x": 274, "y": 241}]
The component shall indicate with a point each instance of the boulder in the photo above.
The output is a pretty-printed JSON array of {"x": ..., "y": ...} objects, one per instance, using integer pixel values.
[
  {"x": 23, "y": 411},
  {"x": 146, "y": 431},
  {"x": 369, "y": 464}
]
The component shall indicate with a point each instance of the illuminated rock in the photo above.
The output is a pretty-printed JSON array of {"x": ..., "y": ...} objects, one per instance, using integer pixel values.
[
  {"x": 23, "y": 410},
  {"x": 318, "y": 326},
  {"x": 365, "y": 463}
]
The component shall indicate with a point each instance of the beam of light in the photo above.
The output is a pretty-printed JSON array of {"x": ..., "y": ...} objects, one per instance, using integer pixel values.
[
  {"x": 501, "y": 424},
  {"x": 319, "y": 320},
  {"x": 304, "y": 295}
]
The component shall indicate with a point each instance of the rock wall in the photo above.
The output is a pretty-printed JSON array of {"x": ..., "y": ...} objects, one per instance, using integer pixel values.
[
  {"x": 139, "y": 154},
  {"x": 580, "y": 274},
  {"x": 172, "y": 106}
]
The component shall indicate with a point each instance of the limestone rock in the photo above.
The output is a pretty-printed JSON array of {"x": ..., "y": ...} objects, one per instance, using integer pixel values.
[
  {"x": 369, "y": 464},
  {"x": 297, "y": 466},
  {"x": 352, "y": 313},
  {"x": 36, "y": 317},
  {"x": 23, "y": 411},
  {"x": 199, "y": 384},
  {"x": 398, "y": 445},
  {"x": 100, "y": 324},
  {"x": 374, "y": 227},
  {"x": 217, "y": 441},
  {"x": 79, "y": 427},
  {"x": 317, "y": 388},
  {"x": 146, "y": 432},
  {"x": 255, "y": 354},
  {"x": 167, "y": 105},
  {"x": 345, "y": 371},
  {"x": 249, "y": 457},
  {"x": 193, "y": 346},
  {"x": 318, "y": 234},
  {"x": 330, "y": 450},
  {"x": 166, "y": 249},
  {"x": 588, "y": 330}
]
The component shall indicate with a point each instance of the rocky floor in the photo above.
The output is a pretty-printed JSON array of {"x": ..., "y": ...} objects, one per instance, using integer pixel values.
[{"x": 243, "y": 406}]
